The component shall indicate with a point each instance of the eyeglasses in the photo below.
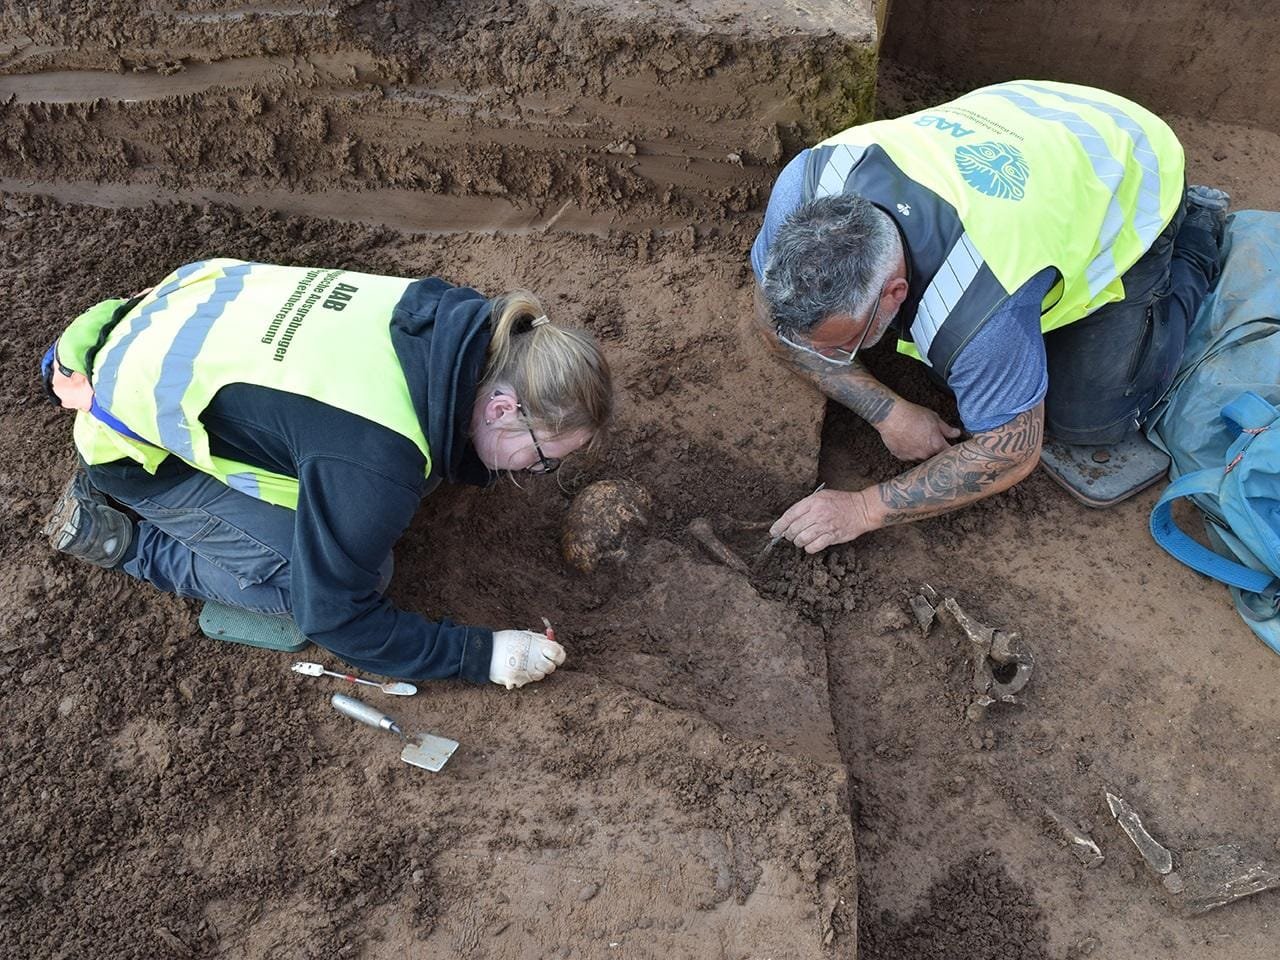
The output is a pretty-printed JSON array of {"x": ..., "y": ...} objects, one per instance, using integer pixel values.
[
  {"x": 545, "y": 464},
  {"x": 838, "y": 356}
]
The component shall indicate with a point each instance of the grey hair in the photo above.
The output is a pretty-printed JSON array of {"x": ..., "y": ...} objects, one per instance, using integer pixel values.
[{"x": 830, "y": 256}]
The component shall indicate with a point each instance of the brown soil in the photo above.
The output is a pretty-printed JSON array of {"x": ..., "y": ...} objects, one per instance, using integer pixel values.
[
  {"x": 577, "y": 115},
  {"x": 692, "y": 782},
  {"x": 1188, "y": 57},
  {"x": 1147, "y": 684},
  {"x": 163, "y": 786}
]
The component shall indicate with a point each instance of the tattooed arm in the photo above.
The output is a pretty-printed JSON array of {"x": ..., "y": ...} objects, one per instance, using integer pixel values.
[
  {"x": 910, "y": 431},
  {"x": 986, "y": 463}
]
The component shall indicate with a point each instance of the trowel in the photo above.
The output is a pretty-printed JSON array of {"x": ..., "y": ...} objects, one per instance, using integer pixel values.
[{"x": 420, "y": 750}]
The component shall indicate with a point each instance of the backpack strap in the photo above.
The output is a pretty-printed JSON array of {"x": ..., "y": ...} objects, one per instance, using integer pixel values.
[
  {"x": 1248, "y": 416},
  {"x": 1249, "y": 413},
  {"x": 1181, "y": 547}
]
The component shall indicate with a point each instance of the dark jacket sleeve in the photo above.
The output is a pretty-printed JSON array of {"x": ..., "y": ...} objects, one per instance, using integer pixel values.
[{"x": 349, "y": 517}]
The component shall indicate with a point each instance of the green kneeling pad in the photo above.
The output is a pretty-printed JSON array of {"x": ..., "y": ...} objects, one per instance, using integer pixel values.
[{"x": 221, "y": 622}]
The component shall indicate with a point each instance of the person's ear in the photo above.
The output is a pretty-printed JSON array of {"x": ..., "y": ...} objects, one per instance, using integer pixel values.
[
  {"x": 896, "y": 289},
  {"x": 499, "y": 406}
]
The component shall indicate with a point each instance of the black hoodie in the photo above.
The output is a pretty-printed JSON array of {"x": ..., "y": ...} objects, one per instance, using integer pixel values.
[{"x": 359, "y": 485}]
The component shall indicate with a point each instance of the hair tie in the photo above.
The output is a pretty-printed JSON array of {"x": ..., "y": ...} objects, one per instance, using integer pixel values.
[{"x": 539, "y": 320}]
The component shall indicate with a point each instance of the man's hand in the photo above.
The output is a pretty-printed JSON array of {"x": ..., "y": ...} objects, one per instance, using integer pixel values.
[
  {"x": 824, "y": 519},
  {"x": 522, "y": 656},
  {"x": 913, "y": 432}
]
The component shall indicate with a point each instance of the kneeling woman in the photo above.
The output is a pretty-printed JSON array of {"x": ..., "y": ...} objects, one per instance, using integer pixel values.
[{"x": 271, "y": 431}]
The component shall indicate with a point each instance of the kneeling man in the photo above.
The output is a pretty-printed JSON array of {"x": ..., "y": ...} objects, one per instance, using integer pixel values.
[{"x": 1033, "y": 243}]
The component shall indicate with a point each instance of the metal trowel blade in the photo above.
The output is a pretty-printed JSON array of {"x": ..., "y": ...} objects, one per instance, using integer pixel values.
[{"x": 427, "y": 751}]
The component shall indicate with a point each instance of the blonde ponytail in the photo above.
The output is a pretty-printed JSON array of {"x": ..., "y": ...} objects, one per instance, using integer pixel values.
[{"x": 559, "y": 374}]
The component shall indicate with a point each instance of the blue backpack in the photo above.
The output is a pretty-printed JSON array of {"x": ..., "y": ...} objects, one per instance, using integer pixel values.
[{"x": 1220, "y": 425}]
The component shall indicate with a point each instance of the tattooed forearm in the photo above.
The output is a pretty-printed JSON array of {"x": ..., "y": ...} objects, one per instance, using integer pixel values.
[
  {"x": 852, "y": 387},
  {"x": 986, "y": 463}
]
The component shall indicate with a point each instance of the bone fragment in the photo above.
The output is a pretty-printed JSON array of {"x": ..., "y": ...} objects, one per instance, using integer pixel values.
[
  {"x": 990, "y": 648},
  {"x": 1158, "y": 857},
  {"x": 924, "y": 612},
  {"x": 980, "y": 636},
  {"x": 1082, "y": 845},
  {"x": 700, "y": 529},
  {"x": 1215, "y": 876},
  {"x": 744, "y": 526},
  {"x": 978, "y": 709}
]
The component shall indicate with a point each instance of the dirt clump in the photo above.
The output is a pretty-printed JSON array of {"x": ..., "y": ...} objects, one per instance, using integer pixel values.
[
  {"x": 976, "y": 910},
  {"x": 821, "y": 588}
]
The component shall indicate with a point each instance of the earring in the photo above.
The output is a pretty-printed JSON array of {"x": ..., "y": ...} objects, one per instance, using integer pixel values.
[{"x": 488, "y": 423}]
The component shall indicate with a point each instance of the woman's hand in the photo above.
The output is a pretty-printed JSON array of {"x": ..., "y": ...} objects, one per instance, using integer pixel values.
[
  {"x": 74, "y": 391},
  {"x": 913, "y": 432},
  {"x": 824, "y": 519},
  {"x": 523, "y": 656}
]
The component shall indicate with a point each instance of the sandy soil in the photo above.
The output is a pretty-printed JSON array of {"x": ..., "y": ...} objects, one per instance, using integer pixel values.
[
  {"x": 246, "y": 817},
  {"x": 1147, "y": 685},
  {"x": 1193, "y": 57},
  {"x": 692, "y": 784}
]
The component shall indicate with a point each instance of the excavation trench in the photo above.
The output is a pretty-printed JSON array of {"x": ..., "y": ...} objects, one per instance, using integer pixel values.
[
  {"x": 697, "y": 773},
  {"x": 684, "y": 763},
  {"x": 679, "y": 783}
]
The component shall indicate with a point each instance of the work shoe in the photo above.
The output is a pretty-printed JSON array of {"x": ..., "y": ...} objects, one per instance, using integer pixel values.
[
  {"x": 83, "y": 524},
  {"x": 1207, "y": 208}
]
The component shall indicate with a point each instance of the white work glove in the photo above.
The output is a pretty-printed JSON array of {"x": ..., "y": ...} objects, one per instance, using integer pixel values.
[{"x": 522, "y": 656}]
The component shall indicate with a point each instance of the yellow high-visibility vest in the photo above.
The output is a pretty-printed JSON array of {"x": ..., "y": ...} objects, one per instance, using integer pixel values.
[
  {"x": 1004, "y": 182},
  {"x": 323, "y": 334}
]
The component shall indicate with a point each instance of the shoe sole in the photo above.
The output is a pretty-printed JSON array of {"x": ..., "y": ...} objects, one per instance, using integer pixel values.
[
  {"x": 63, "y": 524},
  {"x": 60, "y": 523}
]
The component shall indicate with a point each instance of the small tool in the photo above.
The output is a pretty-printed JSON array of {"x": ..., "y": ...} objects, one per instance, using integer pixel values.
[
  {"x": 420, "y": 750},
  {"x": 398, "y": 689},
  {"x": 550, "y": 630},
  {"x": 768, "y": 547}
]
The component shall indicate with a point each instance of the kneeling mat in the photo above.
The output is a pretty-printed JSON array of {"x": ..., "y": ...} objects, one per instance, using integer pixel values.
[
  {"x": 1101, "y": 476},
  {"x": 221, "y": 622}
]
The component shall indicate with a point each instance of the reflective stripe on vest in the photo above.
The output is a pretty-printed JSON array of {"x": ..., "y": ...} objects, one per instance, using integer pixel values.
[
  {"x": 1147, "y": 223},
  {"x": 944, "y": 291},
  {"x": 107, "y": 373},
  {"x": 839, "y": 165},
  {"x": 178, "y": 368},
  {"x": 1037, "y": 174},
  {"x": 323, "y": 334}
]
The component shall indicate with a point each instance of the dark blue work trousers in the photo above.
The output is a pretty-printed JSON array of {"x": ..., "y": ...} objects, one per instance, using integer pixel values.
[
  {"x": 199, "y": 538},
  {"x": 1108, "y": 370}
]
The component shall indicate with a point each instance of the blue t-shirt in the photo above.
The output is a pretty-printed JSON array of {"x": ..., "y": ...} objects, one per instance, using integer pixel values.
[{"x": 998, "y": 374}]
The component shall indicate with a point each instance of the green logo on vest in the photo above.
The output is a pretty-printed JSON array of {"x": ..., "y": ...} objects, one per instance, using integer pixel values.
[{"x": 995, "y": 169}]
